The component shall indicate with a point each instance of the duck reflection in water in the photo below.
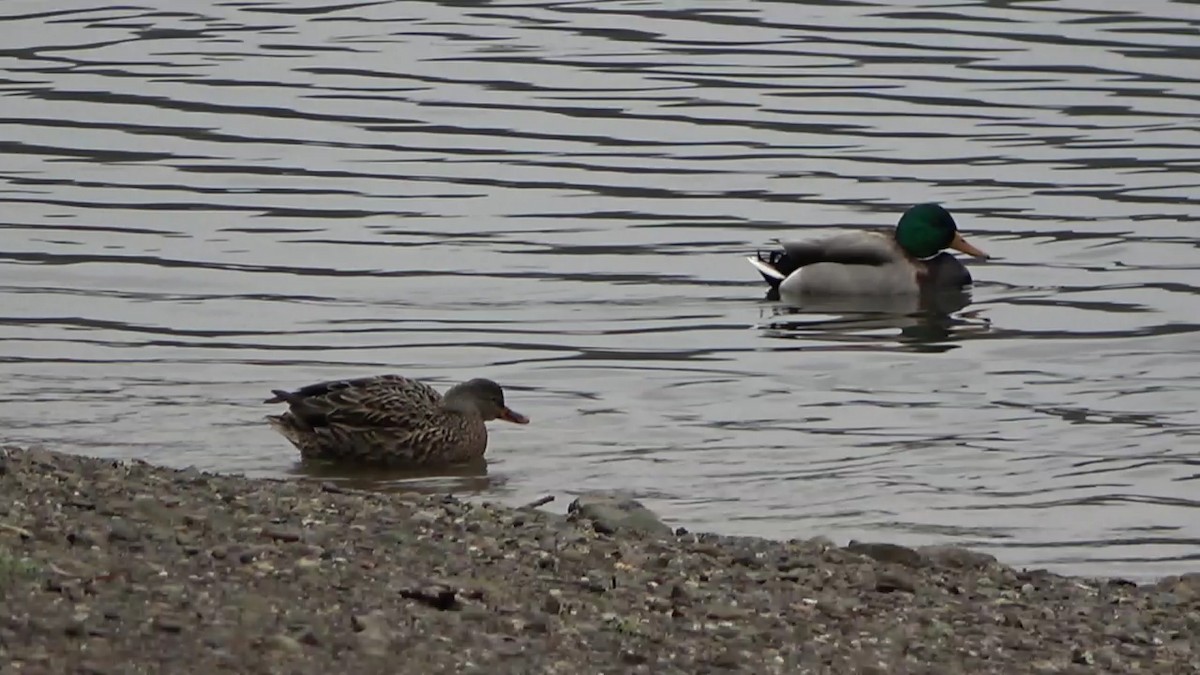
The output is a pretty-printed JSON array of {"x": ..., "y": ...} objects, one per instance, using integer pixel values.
[
  {"x": 468, "y": 477},
  {"x": 926, "y": 322}
]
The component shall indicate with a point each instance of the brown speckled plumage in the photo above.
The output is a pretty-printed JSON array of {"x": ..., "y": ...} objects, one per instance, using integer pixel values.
[{"x": 390, "y": 420}]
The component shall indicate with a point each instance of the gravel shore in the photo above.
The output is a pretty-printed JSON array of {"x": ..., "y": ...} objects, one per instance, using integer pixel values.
[{"x": 116, "y": 567}]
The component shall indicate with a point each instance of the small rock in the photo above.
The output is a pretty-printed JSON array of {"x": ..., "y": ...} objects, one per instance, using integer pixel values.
[
  {"x": 371, "y": 633},
  {"x": 597, "y": 582},
  {"x": 727, "y": 659},
  {"x": 282, "y": 533},
  {"x": 195, "y": 519},
  {"x": 437, "y": 596},
  {"x": 168, "y": 624},
  {"x": 888, "y": 582},
  {"x": 633, "y": 658},
  {"x": 726, "y": 612},
  {"x": 81, "y": 503},
  {"x": 86, "y": 538},
  {"x": 889, "y": 553},
  {"x": 956, "y": 557},
  {"x": 613, "y": 513},
  {"x": 680, "y": 596},
  {"x": 284, "y": 643},
  {"x": 120, "y": 530},
  {"x": 424, "y": 517},
  {"x": 747, "y": 560}
]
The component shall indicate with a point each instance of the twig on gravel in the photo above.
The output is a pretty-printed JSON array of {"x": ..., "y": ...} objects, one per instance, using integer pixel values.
[
  {"x": 541, "y": 501},
  {"x": 58, "y": 570},
  {"x": 19, "y": 530}
]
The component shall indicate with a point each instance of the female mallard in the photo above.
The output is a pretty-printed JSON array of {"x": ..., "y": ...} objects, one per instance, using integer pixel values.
[
  {"x": 911, "y": 259},
  {"x": 391, "y": 420}
]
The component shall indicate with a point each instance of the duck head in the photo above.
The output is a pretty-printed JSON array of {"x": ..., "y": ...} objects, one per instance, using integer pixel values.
[
  {"x": 927, "y": 229},
  {"x": 483, "y": 396}
]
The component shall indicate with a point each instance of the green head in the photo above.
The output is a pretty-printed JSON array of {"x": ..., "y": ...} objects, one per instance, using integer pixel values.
[{"x": 925, "y": 230}]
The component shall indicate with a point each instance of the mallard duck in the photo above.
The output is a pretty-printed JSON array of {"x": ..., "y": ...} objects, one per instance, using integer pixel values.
[
  {"x": 391, "y": 420},
  {"x": 908, "y": 260}
]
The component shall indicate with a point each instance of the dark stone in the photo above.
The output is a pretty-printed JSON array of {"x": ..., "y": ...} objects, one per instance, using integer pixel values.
[
  {"x": 888, "y": 582},
  {"x": 85, "y": 538},
  {"x": 282, "y": 533},
  {"x": 634, "y": 658},
  {"x": 437, "y": 596},
  {"x": 956, "y": 557},
  {"x": 121, "y": 530},
  {"x": 168, "y": 624},
  {"x": 889, "y": 553}
]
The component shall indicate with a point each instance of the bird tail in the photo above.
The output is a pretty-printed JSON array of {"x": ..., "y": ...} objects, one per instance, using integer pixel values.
[
  {"x": 289, "y": 427},
  {"x": 281, "y": 396},
  {"x": 774, "y": 266}
]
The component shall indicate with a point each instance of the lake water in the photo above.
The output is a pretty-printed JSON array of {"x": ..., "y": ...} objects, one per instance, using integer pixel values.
[{"x": 204, "y": 204}]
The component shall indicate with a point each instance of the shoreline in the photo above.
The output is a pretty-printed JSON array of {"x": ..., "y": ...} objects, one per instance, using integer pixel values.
[{"x": 113, "y": 566}]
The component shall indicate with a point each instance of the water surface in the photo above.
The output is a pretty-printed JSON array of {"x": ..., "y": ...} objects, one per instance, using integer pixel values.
[{"x": 204, "y": 204}]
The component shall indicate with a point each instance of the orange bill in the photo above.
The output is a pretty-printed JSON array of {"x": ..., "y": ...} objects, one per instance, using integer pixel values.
[
  {"x": 510, "y": 415},
  {"x": 960, "y": 244}
]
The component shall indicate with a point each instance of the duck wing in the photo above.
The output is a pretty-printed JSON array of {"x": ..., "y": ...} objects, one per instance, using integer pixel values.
[
  {"x": 390, "y": 401},
  {"x": 857, "y": 248},
  {"x": 851, "y": 248}
]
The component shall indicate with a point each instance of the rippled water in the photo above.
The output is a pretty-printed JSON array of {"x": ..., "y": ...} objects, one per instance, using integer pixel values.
[{"x": 202, "y": 205}]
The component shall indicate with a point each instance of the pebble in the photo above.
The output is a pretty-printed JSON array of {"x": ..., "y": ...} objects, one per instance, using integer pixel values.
[
  {"x": 168, "y": 624},
  {"x": 121, "y": 530},
  {"x": 888, "y": 582},
  {"x": 284, "y": 643},
  {"x": 83, "y": 538},
  {"x": 282, "y": 533},
  {"x": 612, "y": 512},
  {"x": 425, "y": 517},
  {"x": 889, "y": 553}
]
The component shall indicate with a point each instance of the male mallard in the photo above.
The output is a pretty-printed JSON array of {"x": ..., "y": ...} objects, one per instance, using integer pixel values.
[
  {"x": 391, "y": 420},
  {"x": 908, "y": 260}
]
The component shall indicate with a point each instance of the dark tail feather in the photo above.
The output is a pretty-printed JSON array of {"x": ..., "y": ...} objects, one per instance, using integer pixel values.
[
  {"x": 281, "y": 396},
  {"x": 774, "y": 266}
]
